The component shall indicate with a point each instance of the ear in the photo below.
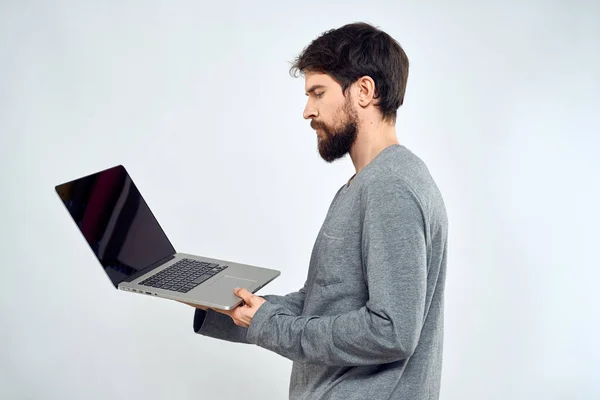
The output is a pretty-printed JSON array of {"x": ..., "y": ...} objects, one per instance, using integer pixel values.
[{"x": 366, "y": 90}]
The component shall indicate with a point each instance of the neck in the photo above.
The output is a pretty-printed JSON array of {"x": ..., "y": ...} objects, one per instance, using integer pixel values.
[{"x": 370, "y": 141}]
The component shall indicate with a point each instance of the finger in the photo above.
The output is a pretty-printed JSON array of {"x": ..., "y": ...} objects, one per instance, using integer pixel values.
[
  {"x": 239, "y": 321},
  {"x": 244, "y": 294},
  {"x": 244, "y": 316},
  {"x": 235, "y": 316}
]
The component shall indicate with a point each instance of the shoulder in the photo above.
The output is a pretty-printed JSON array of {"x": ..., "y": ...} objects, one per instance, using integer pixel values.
[{"x": 388, "y": 187}]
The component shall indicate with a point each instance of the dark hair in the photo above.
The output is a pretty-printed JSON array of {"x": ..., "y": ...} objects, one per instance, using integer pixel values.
[{"x": 353, "y": 51}]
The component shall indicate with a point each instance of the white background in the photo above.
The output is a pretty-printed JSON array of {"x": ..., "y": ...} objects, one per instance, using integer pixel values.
[{"x": 195, "y": 99}]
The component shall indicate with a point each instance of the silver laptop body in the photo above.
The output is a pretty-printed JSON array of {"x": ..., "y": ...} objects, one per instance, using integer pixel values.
[{"x": 135, "y": 252}]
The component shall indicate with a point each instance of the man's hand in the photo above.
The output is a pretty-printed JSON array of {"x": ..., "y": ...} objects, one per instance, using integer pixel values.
[{"x": 243, "y": 314}]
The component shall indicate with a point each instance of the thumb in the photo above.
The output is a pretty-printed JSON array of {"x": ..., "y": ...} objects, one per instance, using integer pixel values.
[{"x": 244, "y": 294}]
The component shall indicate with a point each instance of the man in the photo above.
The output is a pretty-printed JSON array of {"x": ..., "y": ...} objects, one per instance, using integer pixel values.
[{"x": 368, "y": 322}]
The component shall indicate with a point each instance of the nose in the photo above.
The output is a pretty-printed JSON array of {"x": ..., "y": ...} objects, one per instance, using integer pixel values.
[{"x": 309, "y": 112}]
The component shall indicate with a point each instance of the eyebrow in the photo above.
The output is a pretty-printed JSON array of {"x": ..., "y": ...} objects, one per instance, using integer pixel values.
[{"x": 314, "y": 87}]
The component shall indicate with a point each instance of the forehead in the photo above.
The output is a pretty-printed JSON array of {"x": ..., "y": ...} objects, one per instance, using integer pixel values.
[{"x": 318, "y": 78}]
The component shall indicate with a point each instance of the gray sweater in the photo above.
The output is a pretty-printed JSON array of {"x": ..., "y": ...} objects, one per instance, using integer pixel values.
[{"x": 368, "y": 321}]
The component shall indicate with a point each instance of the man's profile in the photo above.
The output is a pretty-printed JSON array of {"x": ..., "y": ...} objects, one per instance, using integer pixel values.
[{"x": 368, "y": 321}]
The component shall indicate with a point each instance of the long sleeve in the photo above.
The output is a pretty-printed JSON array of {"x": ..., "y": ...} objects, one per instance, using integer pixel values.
[
  {"x": 388, "y": 327},
  {"x": 219, "y": 326},
  {"x": 294, "y": 301}
]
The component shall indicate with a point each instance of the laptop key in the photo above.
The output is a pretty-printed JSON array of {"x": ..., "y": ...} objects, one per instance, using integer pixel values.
[{"x": 202, "y": 278}]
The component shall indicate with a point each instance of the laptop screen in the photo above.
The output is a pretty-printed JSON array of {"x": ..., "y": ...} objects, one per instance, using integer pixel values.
[{"x": 116, "y": 222}]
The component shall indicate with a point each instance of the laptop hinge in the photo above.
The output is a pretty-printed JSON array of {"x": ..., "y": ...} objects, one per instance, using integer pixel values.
[{"x": 149, "y": 268}]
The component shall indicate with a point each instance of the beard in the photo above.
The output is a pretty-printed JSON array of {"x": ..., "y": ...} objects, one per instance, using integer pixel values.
[{"x": 336, "y": 142}]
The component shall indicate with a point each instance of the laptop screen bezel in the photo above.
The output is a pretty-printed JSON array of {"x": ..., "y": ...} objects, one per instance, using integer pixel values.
[{"x": 142, "y": 270}]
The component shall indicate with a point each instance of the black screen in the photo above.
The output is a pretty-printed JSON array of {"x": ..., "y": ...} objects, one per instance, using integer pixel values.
[{"x": 116, "y": 222}]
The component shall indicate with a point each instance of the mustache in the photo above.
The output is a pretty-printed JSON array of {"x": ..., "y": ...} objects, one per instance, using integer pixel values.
[{"x": 316, "y": 125}]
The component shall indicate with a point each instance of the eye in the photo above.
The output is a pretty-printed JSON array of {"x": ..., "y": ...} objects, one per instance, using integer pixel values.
[{"x": 319, "y": 95}]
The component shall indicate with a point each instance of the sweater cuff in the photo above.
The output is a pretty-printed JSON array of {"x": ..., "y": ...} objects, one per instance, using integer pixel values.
[
  {"x": 199, "y": 317},
  {"x": 260, "y": 321}
]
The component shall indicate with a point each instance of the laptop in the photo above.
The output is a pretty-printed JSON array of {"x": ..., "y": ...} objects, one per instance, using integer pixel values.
[{"x": 135, "y": 252}]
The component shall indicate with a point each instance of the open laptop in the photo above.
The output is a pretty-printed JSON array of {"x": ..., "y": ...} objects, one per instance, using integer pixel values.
[{"x": 135, "y": 252}]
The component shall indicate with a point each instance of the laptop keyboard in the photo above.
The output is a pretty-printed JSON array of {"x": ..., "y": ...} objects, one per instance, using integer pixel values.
[{"x": 183, "y": 276}]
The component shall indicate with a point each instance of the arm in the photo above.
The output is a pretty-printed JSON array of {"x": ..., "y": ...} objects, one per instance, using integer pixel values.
[
  {"x": 220, "y": 326},
  {"x": 387, "y": 328},
  {"x": 294, "y": 301}
]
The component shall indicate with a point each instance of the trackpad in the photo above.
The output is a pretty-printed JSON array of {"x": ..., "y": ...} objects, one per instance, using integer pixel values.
[{"x": 224, "y": 286}]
